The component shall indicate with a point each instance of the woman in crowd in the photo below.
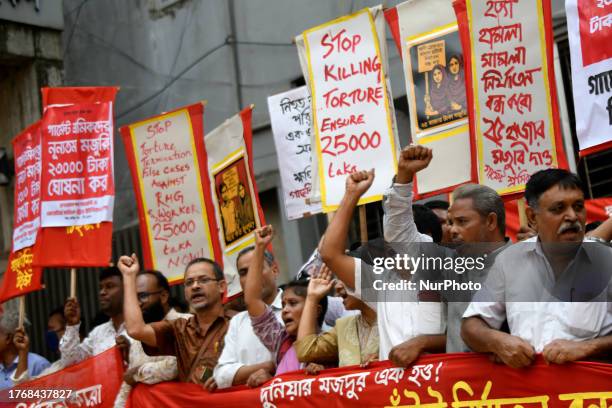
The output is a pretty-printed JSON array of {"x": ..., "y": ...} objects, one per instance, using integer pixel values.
[
  {"x": 277, "y": 337},
  {"x": 353, "y": 340}
]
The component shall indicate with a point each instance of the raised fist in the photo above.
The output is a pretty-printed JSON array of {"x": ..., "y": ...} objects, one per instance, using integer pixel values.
[{"x": 412, "y": 160}]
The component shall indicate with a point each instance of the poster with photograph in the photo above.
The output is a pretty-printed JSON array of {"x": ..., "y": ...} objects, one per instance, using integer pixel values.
[
  {"x": 235, "y": 201},
  {"x": 438, "y": 78}
]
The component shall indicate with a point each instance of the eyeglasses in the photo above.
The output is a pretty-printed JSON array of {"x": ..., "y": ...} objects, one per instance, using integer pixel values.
[
  {"x": 202, "y": 280},
  {"x": 143, "y": 296}
]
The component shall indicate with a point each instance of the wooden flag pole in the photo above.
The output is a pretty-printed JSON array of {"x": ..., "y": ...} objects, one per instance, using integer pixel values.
[
  {"x": 522, "y": 213},
  {"x": 21, "y": 310},
  {"x": 73, "y": 283},
  {"x": 363, "y": 224}
]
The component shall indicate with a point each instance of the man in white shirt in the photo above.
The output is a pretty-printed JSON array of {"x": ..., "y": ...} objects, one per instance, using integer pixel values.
[
  {"x": 397, "y": 321},
  {"x": 245, "y": 360},
  {"x": 103, "y": 336},
  {"x": 553, "y": 289},
  {"x": 476, "y": 223}
]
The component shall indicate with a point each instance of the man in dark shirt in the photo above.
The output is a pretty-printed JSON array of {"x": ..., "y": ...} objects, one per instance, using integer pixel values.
[{"x": 196, "y": 342}]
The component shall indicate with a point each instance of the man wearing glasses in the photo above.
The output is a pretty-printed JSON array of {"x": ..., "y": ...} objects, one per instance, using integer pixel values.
[
  {"x": 153, "y": 292},
  {"x": 196, "y": 342}
]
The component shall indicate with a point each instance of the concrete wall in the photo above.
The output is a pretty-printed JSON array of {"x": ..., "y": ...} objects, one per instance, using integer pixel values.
[{"x": 30, "y": 58}]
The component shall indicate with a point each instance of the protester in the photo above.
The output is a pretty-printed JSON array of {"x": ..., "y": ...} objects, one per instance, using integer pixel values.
[
  {"x": 440, "y": 208},
  {"x": 558, "y": 302},
  {"x": 153, "y": 292},
  {"x": 196, "y": 342},
  {"x": 56, "y": 326},
  {"x": 352, "y": 341},
  {"x": 17, "y": 361},
  {"x": 267, "y": 328},
  {"x": 427, "y": 222},
  {"x": 476, "y": 224},
  {"x": 397, "y": 321},
  {"x": 102, "y": 337},
  {"x": 245, "y": 360}
]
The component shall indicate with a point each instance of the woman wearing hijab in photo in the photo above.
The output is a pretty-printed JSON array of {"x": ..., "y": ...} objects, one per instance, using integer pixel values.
[
  {"x": 456, "y": 83},
  {"x": 246, "y": 218},
  {"x": 437, "y": 101}
]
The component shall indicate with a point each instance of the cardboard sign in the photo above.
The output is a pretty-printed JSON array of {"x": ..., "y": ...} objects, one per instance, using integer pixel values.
[
  {"x": 426, "y": 35},
  {"x": 234, "y": 194},
  {"x": 512, "y": 97},
  {"x": 589, "y": 26},
  {"x": 168, "y": 165},
  {"x": 28, "y": 162},
  {"x": 293, "y": 149},
  {"x": 352, "y": 123},
  {"x": 77, "y": 162}
]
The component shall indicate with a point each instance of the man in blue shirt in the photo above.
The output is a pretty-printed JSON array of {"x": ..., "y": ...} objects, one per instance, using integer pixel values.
[{"x": 14, "y": 347}]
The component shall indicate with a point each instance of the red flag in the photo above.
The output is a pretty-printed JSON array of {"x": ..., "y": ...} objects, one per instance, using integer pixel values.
[
  {"x": 21, "y": 276},
  {"x": 84, "y": 245},
  {"x": 79, "y": 246},
  {"x": 91, "y": 383}
]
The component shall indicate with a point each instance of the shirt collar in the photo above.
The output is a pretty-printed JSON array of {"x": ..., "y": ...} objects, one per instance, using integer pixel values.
[
  {"x": 537, "y": 248},
  {"x": 194, "y": 323}
]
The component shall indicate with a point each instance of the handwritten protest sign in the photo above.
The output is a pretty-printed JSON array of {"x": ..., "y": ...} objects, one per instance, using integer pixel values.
[
  {"x": 235, "y": 198},
  {"x": 426, "y": 34},
  {"x": 77, "y": 164},
  {"x": 292, "y": 140},
  {"x": 351, "y": 113},
  {"x": 514, "y": 110},
  {"x": 168, "y": 164},
  {"x": 27, "y": 152},
  {"x": 589, "y": 26}
]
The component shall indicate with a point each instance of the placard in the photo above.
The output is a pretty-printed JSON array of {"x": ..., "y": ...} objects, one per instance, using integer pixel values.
[
  {"x": 512, "y": 97},
  {"x": 589, "y": 29},
  {"x": 427, "y": 37},
  {"x": 352, "y": 123},
  {"x": 168, "y": 165},
  {"x": 290, "y": 118}
]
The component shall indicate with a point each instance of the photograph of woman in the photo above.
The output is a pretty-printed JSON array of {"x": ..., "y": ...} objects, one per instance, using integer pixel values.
[
  {"x": 437, "y": 100},
  {"x": 456, "y": 83}
]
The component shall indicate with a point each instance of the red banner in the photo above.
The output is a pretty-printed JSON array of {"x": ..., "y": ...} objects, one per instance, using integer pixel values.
[
  {"x": 77, "y": 171},
  {"x": 90, "y": 244},
  {"x": 75, "y": 247},
  {"x": 91, "y": 383},
  {"x": 167, "y": 161},
  {"x": 512, "y": 100},
  {"x": 436, "y": 381},
  {"x": 229, "y": 149},
  {"x": 27, "y": 153},
  {"x": 21, "y": 275},
  {"x": 427, "y": 38}
]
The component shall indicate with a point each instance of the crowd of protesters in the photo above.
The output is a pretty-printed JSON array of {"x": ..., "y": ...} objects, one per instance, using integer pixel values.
[{"x": 328, "y": 317}]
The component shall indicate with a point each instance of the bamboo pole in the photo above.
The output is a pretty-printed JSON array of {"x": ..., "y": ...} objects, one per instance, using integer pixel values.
[
  {"x": 363, "y": 224},
  {"x": 21, "y": 311},
  {"x": 73, "y": 283}
]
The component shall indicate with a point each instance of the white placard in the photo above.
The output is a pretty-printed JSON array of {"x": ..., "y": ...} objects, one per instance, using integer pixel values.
[
  {"x": 290, "y": 117},
  {"x": 353, "y": 128}
]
